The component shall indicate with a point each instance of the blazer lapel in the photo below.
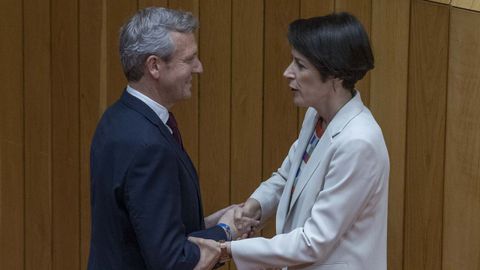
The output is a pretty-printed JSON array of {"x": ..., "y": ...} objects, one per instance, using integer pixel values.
[
  {"x": 343, "y": 117},
  {"x": 137, "y": 105},
  {"x": 304, "y": 137}
]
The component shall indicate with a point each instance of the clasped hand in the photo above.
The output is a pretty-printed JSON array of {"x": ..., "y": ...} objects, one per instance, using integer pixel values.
[{"x": 242, "y": 225}]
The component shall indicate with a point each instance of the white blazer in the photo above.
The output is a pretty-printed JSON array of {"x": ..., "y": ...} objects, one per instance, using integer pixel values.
[{"x": 337, "y": 218}]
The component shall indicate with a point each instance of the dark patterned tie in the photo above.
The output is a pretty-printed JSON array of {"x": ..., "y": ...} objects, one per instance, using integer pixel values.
[{"x": 172, "y": 123}]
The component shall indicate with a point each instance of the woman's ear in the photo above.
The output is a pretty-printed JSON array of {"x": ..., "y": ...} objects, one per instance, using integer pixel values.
[
  {"x": 154, "y": 66},
  {"x": 337, "y": 84}
]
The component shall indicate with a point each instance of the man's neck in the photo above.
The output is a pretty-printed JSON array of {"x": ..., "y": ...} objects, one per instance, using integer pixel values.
[{"x": 150, "y": 91}]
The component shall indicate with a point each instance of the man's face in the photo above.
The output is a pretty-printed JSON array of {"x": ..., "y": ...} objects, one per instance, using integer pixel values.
[{"x": 176, "y": 76}]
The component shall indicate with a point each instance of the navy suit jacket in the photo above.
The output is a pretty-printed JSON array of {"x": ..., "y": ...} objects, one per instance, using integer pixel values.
[{"x": 145, "y": 194}]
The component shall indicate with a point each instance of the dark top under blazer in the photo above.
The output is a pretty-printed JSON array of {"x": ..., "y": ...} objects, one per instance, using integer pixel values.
[{"x": 145, "y": 195}]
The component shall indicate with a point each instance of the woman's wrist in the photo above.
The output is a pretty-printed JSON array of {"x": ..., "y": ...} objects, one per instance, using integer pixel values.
[
  {"x": 253, "y": 209},
  {"x": 229, "y": 248}
]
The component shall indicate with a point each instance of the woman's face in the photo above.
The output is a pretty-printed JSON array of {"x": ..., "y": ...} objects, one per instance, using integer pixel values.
[{"x": 305, "y": 82}]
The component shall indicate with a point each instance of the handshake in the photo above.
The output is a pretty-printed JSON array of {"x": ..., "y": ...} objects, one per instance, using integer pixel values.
[{"x": 239, "y": 222}]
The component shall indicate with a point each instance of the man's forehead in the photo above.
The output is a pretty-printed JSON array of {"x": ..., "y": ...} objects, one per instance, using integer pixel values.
[{"x": 183, "y": 40}]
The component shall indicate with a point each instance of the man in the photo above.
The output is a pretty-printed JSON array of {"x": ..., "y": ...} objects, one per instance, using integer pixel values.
[{"x": 145, "y": 191}]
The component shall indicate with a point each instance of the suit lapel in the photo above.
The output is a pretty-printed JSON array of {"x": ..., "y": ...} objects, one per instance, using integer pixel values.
[{"x": 137, "y": 105}]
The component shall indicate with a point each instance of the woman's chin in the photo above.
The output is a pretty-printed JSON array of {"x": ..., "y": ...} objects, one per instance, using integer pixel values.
[{"x": 298, "y": 102}]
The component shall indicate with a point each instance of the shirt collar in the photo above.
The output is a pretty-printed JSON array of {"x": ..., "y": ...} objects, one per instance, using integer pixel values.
[{"x": 159, "y": 110}]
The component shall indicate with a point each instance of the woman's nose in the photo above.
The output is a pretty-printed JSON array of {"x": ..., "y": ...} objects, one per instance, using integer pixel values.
[{"x": 288, "y": 72}]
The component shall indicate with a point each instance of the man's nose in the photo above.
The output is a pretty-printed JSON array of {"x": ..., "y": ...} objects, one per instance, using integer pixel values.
[{"x": 198, "y": 68}]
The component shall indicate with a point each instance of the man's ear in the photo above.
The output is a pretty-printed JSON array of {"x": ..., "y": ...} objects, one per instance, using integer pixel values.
[{"x": 154, "y": 66}]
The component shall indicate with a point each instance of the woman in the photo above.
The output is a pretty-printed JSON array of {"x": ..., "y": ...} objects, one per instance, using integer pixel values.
[{"x": 330, "y": 194}]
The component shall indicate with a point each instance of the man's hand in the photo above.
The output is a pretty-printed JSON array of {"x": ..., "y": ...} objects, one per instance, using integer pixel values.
[
  {"x": 209, "y": 253},
  {"x": 213, "y": 219},
  {"x": 241, "y": 225}
]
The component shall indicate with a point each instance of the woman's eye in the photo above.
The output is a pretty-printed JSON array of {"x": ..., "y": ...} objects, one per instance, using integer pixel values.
[{"x": 300, "y": 66}]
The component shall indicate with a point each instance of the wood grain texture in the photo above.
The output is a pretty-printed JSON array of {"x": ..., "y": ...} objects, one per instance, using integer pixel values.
[
  {"x": 461, "y": 245},
  {"x": 427, "y": 91},
  {"x": 467, "y": 4},
  {"x": 362, "y": 10},
  {"x": 247, "y": 97},
  {"x": 388, "y": 102},
  {"x": 152, "y": 3},
  {"x": 280, "y": 114},
  {"x": 118, "y": 12},
  {"x": 312, "y": 8},
  {"x": 38, "y": 139},
  {"x": 65, "y": 135},
  {"x": 441, "y": 1},
  {"x": 92, "y": 70},
  {"x": 186, "y": 112},
  {"x": 214, "y": 108},
  {"x": 12, "y": 137}
]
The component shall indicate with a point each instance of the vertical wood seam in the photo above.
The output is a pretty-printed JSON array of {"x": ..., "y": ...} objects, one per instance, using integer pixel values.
[
  {"x": 231, "y": 111},
  {"x": 50, "y": 202},
  {"x": 79, "y": 146},
  {"x": 446, "y": 134},
  {"x": 262, "y": 143},
  {"x": 24, "y": 140},
  {"x": 199, "y": 84},
  {"x": 405, "y": 133}
]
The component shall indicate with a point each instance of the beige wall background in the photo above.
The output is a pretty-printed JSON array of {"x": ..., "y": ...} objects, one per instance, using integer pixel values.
[{"x": 60, "y": 70}]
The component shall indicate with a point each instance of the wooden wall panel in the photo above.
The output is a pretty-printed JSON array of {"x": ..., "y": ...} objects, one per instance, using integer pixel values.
[
  {"x": 152, "y": 3},
  {"x": 92, "y": 85},
  {"x": 427, "y": 90},
  {"x": 388, "y": 101},
  {"x": 38, "y": 125},
  {"x": 461, "y": 246},
  {"x": 312, "y": 8},
  {"x": 280, "y": 114},
  {"x": 62, "y": 67},
  {"x": 441, "y": 1},
  {"x": 186, "y": 112},
  {"x": 362, "y": 9},
  {"x": 118, "y": 12},
  {"x": 11, "y": 137},
  {"x": 467, "y": 4},
  {"x": 65, "y": 135},
  {"x": 214, "y": 107},
  {"x": 247, "y": 94}
]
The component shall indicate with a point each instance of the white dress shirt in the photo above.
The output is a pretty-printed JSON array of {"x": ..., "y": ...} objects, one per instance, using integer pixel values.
[{"x": 159, "y": 110}]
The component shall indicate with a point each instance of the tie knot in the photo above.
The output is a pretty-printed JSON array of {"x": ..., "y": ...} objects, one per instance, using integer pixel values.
[{"x": 172, "y": 122}]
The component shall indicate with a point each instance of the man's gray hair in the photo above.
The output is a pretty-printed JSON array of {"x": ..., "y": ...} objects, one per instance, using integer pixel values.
[{"x": 148, "y": 33}]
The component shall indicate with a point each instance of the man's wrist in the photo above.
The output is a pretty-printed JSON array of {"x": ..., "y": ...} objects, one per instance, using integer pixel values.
[
  {"x": 225, "y": 254},
  {"x": 227, "y": 229}
]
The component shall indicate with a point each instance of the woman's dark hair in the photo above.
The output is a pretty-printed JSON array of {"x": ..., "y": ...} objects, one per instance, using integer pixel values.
[{"x": 336, "y": 44}]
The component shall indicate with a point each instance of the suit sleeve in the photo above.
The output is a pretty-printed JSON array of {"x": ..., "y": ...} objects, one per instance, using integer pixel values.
[
  {"x": 354, "y": 175},
  {"x": 152, "y": 195}
]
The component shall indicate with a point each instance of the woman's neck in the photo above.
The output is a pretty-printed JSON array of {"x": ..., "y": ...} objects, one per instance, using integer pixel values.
[{"x": 337, "y": 100}]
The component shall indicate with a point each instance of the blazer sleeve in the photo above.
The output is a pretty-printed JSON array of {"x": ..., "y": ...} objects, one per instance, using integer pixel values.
[
  {"x": 269, "y": 192},
  {"x": 152, "y": 196},
  {"x": 356, "y": 172}
]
